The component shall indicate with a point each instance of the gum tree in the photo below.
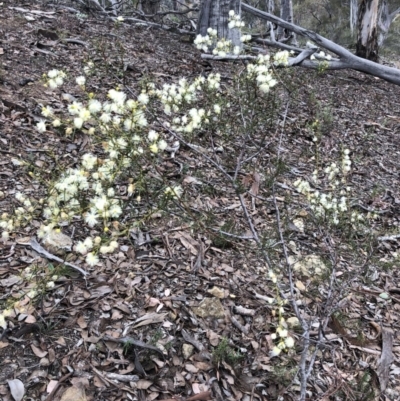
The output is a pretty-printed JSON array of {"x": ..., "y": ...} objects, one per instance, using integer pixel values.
[
  {"x": 373, "y": 23},
  {"x": 287, "y": 15},
  {"x": 215, "y": 14},
  {"x": 367, "y": 30}
]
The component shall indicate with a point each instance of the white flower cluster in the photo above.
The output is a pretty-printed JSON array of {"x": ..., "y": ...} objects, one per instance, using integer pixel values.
[
  {"x": 346, "y": 162},
  {"x": 174, "y": 96},
  {"x": 328, "y": 205},
  {"x": 54, "y": 78},
  {"x": 222, "y": 47},
  {"x": 281, "y": 58},
  {"x": 91, "y": 182},
  {"x": 332, "y": 171},
  {"x": 235, "y": 20},
  {"x": 64, "y": 202},
  {"x": 323, "y": 205},
  {"x": 262, "y": 73},
  {"x": 83, "y": 247},
  {"x": 119, "y": 113},
  {"x": 81, "y": 80},
  {"x": 88, "y": 68},
  {"x": 281, "y": 334},
  {"x": 22, "y": 215},
  {"x": 195, "y": 118},
  {"x": 285, "y": 342},
  {"x": 321, "y": 55},
  {"x": 204, "y": 42},
  {"x": 191, "y": 121},
  {"x": 174, "y": 192}
]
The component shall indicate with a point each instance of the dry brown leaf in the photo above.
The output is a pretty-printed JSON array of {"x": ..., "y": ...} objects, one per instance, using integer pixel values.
[
  {"x": 37, "y": 375},
  {"x": 202, "y": 366},
  {"x": 300, "y": 285},
  {"x": 30, "y": 319},
  {"x": 123, "y": 308},
  {"x": 203, "y": 396},
  {"x": 189, "y": 243},
  {"x": 100, "y": 291},
  {"x": 61, "y": 341},
  {"x": 81, "y": 322},
  {"x": 150, "y": 318},
  {"x": 255, "y": 186},
  {"x": 153, "y": 302},
  {"x": 143, "y": 384},
  {"x": 89, "y": 339},
  {"x": 10, "y": 281},
  {"x": 116, "y": 315},
  {"x": 38, "y": 352},
  {"x": 386, "y": 358},
  {"x": 179, "y": 380},
  {"x": 191, "y": 368},
  {"x": 213, "y": 337}
]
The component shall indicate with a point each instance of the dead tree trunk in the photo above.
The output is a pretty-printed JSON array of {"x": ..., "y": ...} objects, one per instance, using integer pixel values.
[
  {"x": 215, "y": 14},
  {"x": 287, "y": 15},
  {"x": 367, "y": 30}
]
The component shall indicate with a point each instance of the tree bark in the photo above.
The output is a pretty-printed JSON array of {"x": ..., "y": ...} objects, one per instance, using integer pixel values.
[
  {"x": 214, "y": 14},
  {"x": 286, "y": 15},
  {"x": 385, "y": 19},
  {"x": 367, "y": 30},
  {"x": 353, "y": 15}
]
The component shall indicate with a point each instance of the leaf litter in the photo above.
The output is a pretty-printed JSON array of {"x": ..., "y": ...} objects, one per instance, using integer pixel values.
[{"x": 149, "y": 323}]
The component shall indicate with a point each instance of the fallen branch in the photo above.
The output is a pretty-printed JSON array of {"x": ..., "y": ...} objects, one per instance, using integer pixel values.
[
  {"x": 347, "y": 59},
  {"x": 39, "y": 249}
]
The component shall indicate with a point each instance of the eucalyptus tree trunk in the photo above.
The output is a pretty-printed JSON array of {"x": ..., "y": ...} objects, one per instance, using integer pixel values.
[
  {"x": 270, "y": 6},
  {"x": 367, "y": 30},
  {"x": 286, "y": 15},
  {"x": 353, "y": 15},
  {"x": 215, "y": 14},
  {"x": 385, "y": 19}
]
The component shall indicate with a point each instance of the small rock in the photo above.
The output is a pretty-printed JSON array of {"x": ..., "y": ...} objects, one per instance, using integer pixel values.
[
  {"x": 187, "y": 350},
  {"x": 210, "y": 307},
  {"x": 217, "y": 292},
  {"x": 293, "y": 321},
  {"x": 57, "y": 242}
]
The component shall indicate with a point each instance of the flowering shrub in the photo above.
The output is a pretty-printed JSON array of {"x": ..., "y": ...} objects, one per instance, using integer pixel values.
[
  {"x": 89, "y": 192},
  {"x": 332, "y": 205},
  {"x": 101, "y": 194}
]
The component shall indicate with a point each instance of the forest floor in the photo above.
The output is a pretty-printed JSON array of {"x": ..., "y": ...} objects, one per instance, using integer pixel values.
[{"x": 194, "y": 306}]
